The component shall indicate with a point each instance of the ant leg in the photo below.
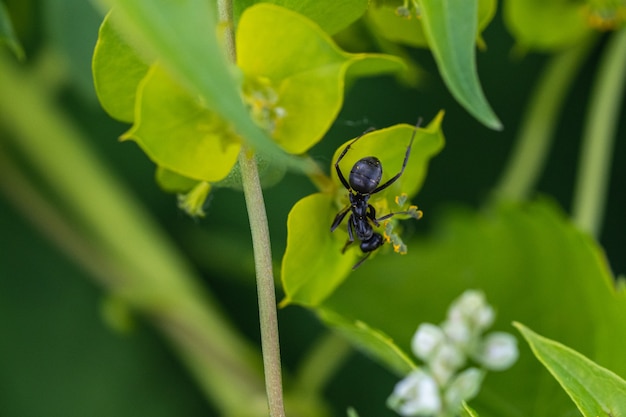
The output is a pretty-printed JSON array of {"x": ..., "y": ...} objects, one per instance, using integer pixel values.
[
  {"x": 371, "y": 214},
  {"x": 350, "y": 235},
  {"x": 343, "y": 153},
  {"x": 387, "y": 216},
  {"x": 406, "y": 159},
  {"x": 339, "y": 218},
  {"x": 358, "y": 264}
]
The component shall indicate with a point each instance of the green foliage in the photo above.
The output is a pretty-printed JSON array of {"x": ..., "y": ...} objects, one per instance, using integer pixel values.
[
  {"x": 468, "y": 411},
  {"x": 179, "y": 133},
  {"x": 409, "y": 30},
  {"x": 330, "y": 16},
  {"x": 451, "y": 27},
  {"x": 370, "y": 341},
  {"x": 313, "y": 265},
  {"x": 545, "y": 25},
  {"x": 199, "y": 89},
  {"x": 117, "y": 71},
  {"x": 296, "y": 100},
  {"x": 595, "y": 390},
  {"x": 506, "y": 251},
  {"x": 7, "y": 34}
]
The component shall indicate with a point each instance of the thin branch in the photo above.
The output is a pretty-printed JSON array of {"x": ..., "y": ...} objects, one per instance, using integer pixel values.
[
  {"x": 535, "y": 135},
  {"x": 262, "y": 249},
  {"x": 599, "y": 136}
]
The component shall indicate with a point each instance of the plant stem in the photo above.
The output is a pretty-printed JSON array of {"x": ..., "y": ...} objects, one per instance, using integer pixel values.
[
  {"x": 253, "y": 192},
  {"x": 265, "y": 282},
  {"x": 534, "y": 138},
  {"x": 598, "y": 137}
]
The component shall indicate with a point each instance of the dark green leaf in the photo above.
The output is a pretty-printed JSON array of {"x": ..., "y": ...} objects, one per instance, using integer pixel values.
[
  {"x": 522, "y": 257},
  {"x": 371, "y": 341},
  {"x": 451, "y": 27},
  {"x": 595, "y": 390}
]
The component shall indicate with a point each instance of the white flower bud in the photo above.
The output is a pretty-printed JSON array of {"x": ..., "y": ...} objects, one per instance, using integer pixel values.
[
  {"x": 417, "y": 394},
  {"x": 458, "y": 332},
  {"x": 464, "y": 387},
  {"x": 498, "y": 351},
  {"x": 426, "y": 340},
  {"x": 472, "y": 307},
  {"x": 447, "y": 360}
]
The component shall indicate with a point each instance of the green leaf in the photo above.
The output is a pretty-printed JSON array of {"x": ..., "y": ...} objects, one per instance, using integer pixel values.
[
  {"x": 7, "y": 34},
  {"x": 172, "y": 182},
  {"x": 330, "y": 16},
  {"x": 183, "y": 37},
  {"x": 468, "y": 411},
  {"x": 409, "y": 30},
  {"x": 179, "y": 133},
  {"x": 369, "y": 340},
  {"x": 533, "y": 265},
  {"x": 313, "y": 265},
  {"x": 545, "y": 25},
  {"x": 451, "y": 28},
  {"x": 595, "y": 390},
  {"x": 297, "y": 100},
  {"x": 117, "y": 71}
]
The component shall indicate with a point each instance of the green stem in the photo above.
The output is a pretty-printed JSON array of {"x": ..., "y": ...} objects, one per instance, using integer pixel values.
[
  {"x": 599, "y": 135},
  {"x": 268, "y": 318},
  {"x": 533, "y": 141},
  {"x": 265, "y": 282}
]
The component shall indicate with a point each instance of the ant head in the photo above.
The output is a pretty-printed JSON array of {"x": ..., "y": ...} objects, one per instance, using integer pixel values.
[{"x": 365, "y": 175}]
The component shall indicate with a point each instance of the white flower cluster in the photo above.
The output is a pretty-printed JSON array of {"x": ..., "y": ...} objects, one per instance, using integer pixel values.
[{"x": 440, "y": 386}]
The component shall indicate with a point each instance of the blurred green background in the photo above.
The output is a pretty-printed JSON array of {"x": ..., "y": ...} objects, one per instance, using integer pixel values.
[{"x": 57, "y": 355}]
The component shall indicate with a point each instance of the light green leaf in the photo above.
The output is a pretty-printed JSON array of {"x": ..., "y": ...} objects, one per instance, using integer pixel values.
[
  {"x": 451, "y": 28},
  {"x": 406, "y": 30},
  {"x": 595, "y": 390},
  {"x": 330, "y": 16},
  {"x": 178, "y": 133},
  {"x": 296, "y": 100},
  {"x": 183, "y": 37},
  {"x": 532, "y": 264},
  {"x": 313, "y": 265},
  {"x": 7, "y": 34},
  {"x": 371, "y": 341},
  {"x": 172, "y": 182},
  {"x": 545, "y": 25},
  {"x": 117, "y": 71}
]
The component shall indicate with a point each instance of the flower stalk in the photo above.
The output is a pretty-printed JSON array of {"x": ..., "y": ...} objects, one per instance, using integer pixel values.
[{"x": 262, "y": 249}]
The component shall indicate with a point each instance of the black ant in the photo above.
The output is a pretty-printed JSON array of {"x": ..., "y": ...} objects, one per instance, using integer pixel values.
[{"x": 364, "y": 181}]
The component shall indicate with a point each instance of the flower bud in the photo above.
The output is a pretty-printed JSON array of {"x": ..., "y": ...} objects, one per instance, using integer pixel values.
[
  {"x": 498, "y": 351},
  {"x": 426, "y": 341},
  {"x": 417, "y": 394}
]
